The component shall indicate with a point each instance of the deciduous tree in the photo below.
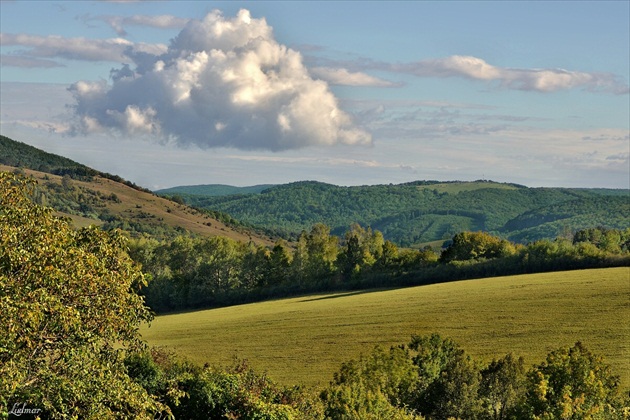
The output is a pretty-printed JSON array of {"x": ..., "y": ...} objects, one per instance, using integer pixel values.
[{"x": 68, "y": 314}]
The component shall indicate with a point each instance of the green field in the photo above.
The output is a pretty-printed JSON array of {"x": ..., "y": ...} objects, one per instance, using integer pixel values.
[{"x": 304, "y": 340}]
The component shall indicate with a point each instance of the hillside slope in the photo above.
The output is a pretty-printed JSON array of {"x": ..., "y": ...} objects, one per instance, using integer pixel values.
[
  {"x": 424, "y": 211},
  {"x": 104, "y": 202},
  {"x": 88, "y": 196}
]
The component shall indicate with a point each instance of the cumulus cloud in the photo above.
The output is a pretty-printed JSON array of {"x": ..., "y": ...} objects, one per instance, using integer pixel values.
[
  {"x": 342, "y": 76},
  {"x": 541, "y": 80},
  {"x": 221, "y": 82}
]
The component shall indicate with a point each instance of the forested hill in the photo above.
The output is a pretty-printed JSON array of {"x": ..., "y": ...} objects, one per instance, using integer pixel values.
[
  {"x": 18, "y": 154},
  {"x": 425, "y": 211},
  {"x": 88, "y": 197}
]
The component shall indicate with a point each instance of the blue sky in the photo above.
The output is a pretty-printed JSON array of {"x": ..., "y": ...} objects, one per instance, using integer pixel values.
[{"x": 172, "y": 93}]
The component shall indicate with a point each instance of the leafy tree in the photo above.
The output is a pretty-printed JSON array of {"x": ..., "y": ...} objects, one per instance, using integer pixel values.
[
  {"x": 389, "y": 256},
  {"x": 315, "y": 255},
  {"x": 374, "y": 387},
  {"x": 69, "y": 313},
  {"x": 363, "y": 248},
  {"x": 572, "y": 383},
  {"x": 255, "y": 268},
  {"x": 476, "y": 245},
  {"x": 207, "y": 393},
  {"x": 502, "y": 387},
  {"x": 279, "y": 264},
  {"x": 448, "y": 379}
]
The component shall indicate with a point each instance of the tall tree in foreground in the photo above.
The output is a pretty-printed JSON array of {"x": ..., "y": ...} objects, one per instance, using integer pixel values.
[{"x": 68, "y": 315}]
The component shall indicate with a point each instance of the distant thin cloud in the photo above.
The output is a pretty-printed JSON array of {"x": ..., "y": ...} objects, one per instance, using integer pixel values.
[
  {"x": 27, "y": 62},
  {"x": 120, "y": 23},
  {"x": 113, "y": 49},
  {"x": 342, "y": 76},
  {"x": 539, "y": 80}
]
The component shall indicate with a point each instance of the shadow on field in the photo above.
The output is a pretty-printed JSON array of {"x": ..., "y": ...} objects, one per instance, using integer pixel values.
[{"x": 342, "y": 295}]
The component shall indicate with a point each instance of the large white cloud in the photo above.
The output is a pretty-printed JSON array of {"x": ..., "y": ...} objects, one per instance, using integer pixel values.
[{"x": 222, "y": 82}]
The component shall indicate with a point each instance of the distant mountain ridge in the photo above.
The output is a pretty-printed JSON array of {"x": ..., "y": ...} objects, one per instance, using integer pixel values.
[{"x": 419, "y": 212}]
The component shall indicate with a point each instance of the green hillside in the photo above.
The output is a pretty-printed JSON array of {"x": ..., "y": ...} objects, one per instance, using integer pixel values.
[
  {"x": 424, "y": 211},
  {"x": 305, "y": 339}
]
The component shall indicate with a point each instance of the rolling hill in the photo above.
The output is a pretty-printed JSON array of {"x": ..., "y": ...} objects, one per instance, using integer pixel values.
[
  {"x": 413, "y": 214},
  {"x": 303, "y": 340}
]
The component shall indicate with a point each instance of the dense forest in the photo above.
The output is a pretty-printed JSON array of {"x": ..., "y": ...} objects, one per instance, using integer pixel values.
[
  {"x": 417, "y": 213},
  {"x": 410, "y": 215}
]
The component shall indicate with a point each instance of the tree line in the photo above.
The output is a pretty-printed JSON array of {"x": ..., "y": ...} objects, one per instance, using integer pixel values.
[{"x": 190, "y": 272}]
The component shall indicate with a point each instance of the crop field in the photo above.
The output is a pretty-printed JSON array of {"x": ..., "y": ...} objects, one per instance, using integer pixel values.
[
  {"x": 304, "y": 340},
  {"x": 457, "y": 187}
]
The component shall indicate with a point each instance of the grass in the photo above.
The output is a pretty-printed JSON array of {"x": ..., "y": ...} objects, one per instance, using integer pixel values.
[
  {"x": 457, "y": 187},
  {"x": 304, "y": 340}
]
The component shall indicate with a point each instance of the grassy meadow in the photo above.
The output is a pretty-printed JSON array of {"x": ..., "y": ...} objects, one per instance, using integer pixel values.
[{"x": 304, "y": 340}]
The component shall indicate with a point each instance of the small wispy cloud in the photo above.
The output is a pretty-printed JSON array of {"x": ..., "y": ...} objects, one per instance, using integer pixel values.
[
  {"x": 120, "y": 23},
  {"x": 305, "y": 160},
  {"x": 53, "y": 46},
  {"x": 27, "y": 62},
  {"x": 539, "y": 80},
  {"x": 342, "y": 76},
  {"x": 474, "y": 68}
]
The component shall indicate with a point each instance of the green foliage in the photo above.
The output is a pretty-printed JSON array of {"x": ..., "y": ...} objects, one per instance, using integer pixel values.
[
  {"x": 207, "y": 393},
  {"x": 475, "y": 246},
  {"x": 448, "y": 380},
  {"x": 373, "y": 387},
  {"x": 426, "y": 211},
  {"x": 572, "y": 383},
  {"x": 503, "y": 387},
  {"x": 192, "y": 272},
  {"x": 69, "y": 312},
  {"x": 441, "y": 382},
  {"x": 608, "y": 240}
]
